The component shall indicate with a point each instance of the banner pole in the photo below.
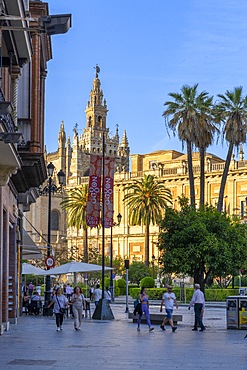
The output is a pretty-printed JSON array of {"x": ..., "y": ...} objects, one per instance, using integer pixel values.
[{"x": 103, "y": 216}]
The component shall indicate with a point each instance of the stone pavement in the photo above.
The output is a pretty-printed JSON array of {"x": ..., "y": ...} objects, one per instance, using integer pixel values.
[{"x": 35, "y": 344}]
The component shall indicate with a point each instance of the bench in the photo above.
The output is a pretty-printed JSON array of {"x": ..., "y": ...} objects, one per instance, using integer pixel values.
[{"x": 156, "y": 318}]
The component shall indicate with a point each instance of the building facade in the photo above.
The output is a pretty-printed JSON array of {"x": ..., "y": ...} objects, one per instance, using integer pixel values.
[{"x": 25, "y": 51}]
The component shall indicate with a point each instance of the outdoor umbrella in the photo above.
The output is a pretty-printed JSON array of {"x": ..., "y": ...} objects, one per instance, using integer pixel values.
[
  {"x": 73, "y": 267},
  {"x": 28, "y": 269}
]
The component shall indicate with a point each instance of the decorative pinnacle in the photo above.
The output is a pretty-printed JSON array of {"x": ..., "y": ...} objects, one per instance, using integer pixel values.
[{"x": 97, "y": 70}]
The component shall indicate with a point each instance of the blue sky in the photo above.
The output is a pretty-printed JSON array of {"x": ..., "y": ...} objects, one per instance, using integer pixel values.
[{"x": 145, "y": 49}]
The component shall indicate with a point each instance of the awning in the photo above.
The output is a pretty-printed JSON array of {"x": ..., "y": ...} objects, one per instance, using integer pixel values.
[{"x": 30, "y": 250}]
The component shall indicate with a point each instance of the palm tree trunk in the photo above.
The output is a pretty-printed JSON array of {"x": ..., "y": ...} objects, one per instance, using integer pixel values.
[
  {"x": 202, "y": 177},
  {"x": 146, "y": 245},
  {"x": 191, "y": 175},
  {"x": 224, "y": 177}
]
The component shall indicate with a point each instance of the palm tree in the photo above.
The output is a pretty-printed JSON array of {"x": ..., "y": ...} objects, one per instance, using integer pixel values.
[
  {"x": 75, "y": 205},
  {"x": 232, "y": 111},
  {"x": 204, "y": 134},
  {"x": 146, "y": 199},
  {"x": 184, "y": 117},
  {"x": 192, "y": 117}
]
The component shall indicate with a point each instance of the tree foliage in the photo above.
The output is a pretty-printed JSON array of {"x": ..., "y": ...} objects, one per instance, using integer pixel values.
[
  {"x": 137, "y": 271},
  {"x": 75, "y": 205},
  {"x": 201, "y": 243}
]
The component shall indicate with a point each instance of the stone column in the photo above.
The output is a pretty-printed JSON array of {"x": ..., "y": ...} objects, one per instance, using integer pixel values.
[{"x": 14, "y": 83}]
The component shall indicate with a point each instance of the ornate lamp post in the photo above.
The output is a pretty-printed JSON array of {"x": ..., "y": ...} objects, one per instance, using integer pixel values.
[
  {"x": 51, "y": 188},
  {"x": 119, "y": 218}
]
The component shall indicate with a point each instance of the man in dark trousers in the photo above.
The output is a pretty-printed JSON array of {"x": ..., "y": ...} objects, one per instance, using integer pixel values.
[{"x": 198, "y": 300}]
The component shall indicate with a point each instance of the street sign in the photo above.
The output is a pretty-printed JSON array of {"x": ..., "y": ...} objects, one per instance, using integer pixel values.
[{"x": 49, "y": 261}]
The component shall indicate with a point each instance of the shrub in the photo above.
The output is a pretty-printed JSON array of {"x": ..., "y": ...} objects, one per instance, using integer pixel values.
[
  {"x": 121, "y": 284},
  {"x": 107, "y": 282},
  {"x": 116, "y": 291},
  {"x": 147, "y": 282}
]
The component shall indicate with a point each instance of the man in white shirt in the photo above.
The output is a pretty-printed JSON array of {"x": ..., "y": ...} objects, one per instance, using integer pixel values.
[
  {"x": 97, "y": 295},
  {"x": 169, "y": 299},
  {"x": 198, "y": 301}
]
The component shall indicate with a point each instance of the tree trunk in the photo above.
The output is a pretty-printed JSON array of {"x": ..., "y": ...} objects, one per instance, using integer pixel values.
[
  {"x": 233, "y": 285},
  {"x": 224, "y": 178},
  {"x": 199, "y": 278},
  {"x": 147, "y": 245},
  {"x": 85, "y": 245},
  {"x": 191, "y": 175},
  {"x": 202, "y": 177}
]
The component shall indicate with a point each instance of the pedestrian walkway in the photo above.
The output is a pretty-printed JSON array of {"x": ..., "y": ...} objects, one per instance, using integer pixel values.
[{"x": 35, "y": 344}]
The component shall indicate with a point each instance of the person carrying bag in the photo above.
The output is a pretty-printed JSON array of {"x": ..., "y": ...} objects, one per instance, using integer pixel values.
[{"x": 60, "y": 304}]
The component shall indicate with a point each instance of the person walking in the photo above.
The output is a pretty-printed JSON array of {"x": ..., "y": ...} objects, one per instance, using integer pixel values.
[
  {"x": 97, "y": 295},
  {"x": 60, "y": 304},
  {"x": 143, "y": 298},
  {"x": 30, "y": 289},
  {"x": 78, "y": 303},
  {"x": 107, "y": 294},
  {"x": 168, "y": 299},
  {"x": 91, "y": 290},
  {"x": 198, "y": 300}
]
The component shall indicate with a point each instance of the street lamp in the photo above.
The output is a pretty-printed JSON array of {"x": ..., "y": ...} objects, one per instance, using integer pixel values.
[
  {"x": 119, "y": 218},
  {"x": 153, "y": 260},
  {"x": 127, "y": 265},
  {"x": 51, "y": 188}
]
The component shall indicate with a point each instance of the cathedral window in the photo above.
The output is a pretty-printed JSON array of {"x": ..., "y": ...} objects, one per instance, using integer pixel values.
[{"x": 55, "y": 220}]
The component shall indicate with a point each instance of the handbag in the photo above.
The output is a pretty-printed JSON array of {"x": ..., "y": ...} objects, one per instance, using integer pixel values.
[
  {"x": 61, "y": 309},
  {"x": 136, "y": 302}
]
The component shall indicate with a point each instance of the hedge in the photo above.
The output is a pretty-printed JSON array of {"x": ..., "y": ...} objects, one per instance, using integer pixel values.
[{"x": 213, "y": 295}]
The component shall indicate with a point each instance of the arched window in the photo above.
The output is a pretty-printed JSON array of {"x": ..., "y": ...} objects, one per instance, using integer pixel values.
[
  {"x": 99, "y": 121},
  {"x": 55, "y": 220}
]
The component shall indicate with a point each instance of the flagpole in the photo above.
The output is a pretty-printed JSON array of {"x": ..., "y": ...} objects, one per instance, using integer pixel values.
[{"x": 103, "y": 216}]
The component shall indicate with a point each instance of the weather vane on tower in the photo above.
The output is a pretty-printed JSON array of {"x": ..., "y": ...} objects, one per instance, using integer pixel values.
[{"x": 97, "y": 70}]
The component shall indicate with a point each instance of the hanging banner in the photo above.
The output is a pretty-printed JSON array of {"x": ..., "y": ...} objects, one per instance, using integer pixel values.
[
  {"x": 94, "y": 190},
  {"x": 108, "y": 183}
]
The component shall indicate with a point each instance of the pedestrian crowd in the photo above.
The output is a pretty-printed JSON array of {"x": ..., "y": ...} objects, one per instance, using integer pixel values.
[{"x": 71, "y": 301}]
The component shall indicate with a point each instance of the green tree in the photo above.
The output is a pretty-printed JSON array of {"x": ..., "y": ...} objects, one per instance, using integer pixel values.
[
  {"x": 137, "y": 271},
  {"x": 146, "y": 199},
  {"x": 202, "y": 243},
  {"x": 75, "y": 205},
  {"x": 231, "y": 110}
]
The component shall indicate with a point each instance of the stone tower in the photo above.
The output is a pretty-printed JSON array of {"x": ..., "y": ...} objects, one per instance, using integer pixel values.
[{"x": 77, "y": 152}]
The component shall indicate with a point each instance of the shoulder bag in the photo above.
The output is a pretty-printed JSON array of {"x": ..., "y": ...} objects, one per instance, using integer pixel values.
[{"x": 62, "y": 310}]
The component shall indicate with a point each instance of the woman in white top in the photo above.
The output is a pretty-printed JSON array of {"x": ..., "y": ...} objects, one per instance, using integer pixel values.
[
  {"x": 60, "y": 302},
  {"x": 78, "y": 302}
]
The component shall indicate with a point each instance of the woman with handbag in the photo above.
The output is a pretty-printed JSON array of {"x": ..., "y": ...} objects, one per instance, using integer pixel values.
[
  {"x": 60, "y": 305},
  {"x": 78, "y": 302}
]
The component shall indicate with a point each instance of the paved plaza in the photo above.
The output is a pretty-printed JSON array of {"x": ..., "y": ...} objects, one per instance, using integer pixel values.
[{"x": 35, "y": 344}]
